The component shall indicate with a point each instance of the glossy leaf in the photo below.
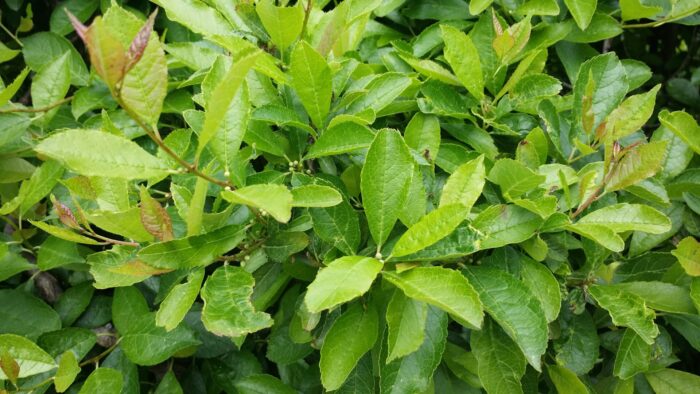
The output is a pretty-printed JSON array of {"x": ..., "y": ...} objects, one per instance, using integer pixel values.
[
  {"x": 276, "y": 200},
  {"x": 443, "y": 288},
  {"x": 384, "y": 182},
  {"x": 351, "y": 336},
  {"x": 341, "y": 281},
  {"x": 88, "y": 152}
]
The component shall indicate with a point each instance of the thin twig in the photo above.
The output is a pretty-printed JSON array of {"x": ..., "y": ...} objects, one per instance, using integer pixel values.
[
  {"x": 40, "y": 109},
  {"x": 155, "y": 136},
  {"x": 662, "y": 21}
]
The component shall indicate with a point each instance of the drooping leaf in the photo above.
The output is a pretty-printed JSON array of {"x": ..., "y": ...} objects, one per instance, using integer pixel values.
[
  {"x": 30, "y": 358},
  {"x": 274, "y": 199},
  {"x": 316, "y": 196},
  {"x": 412, "y": 373},
  {"x": 688, "y": 254},
  {"x": 501, "y": 364},
  {"x": 582, "y": 11},
  {"x": 628, "y": 310},
  {"x": 443, "y": 288},
  {"x": 351, "y": 336},
  {"x": 405, "y": 319},
  {"x": 633, "y": 356},
  {"x": 68, "y": 370},
  {"x": 179, "y": 301},
  {"x": 227, "y": 307},
  {"x": 194, "y": 251},
  {"x": 89, "y": 152},
  {"x": 628, "y": 217},
  {"x": 511, "y": 304}
]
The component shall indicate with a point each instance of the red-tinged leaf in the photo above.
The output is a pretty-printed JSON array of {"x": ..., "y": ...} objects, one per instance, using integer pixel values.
[
  {"x": 155, "y": 218},
  {"x": 64, "y": 213},
  {"x": 107, "y": 54},
  {"x": 77, "y": 25},
  {"x": 140, "y": 42},
  {"x": 9, "y": 366}
]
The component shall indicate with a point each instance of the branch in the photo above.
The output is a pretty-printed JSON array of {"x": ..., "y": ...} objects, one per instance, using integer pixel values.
[
  {"x": 662, "y": 21},
  {"x": 40, "y": 109},
  {"x": 155, "y": 136}
]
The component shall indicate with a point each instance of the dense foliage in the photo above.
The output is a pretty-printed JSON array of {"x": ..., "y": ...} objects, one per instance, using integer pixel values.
[{"x": 396, "y": 196}]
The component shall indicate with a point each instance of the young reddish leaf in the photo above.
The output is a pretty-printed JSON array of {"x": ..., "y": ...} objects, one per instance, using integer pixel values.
[
  {"x": 140, "y": 41},
  {"x": 154, "y": 217},
  {"x": 9, "y": 366}
]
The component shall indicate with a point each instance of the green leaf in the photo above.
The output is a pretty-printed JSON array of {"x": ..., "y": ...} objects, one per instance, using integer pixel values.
[
  {"x": 274, "y": 199},
  {"x": 688, "y": 254},
  {"x": 51, "y": 84},
  {"x": 673, "y": 381},
  {"x": 384, "y": 182},
  {"x": 317, "y": 196},
  {"x": 445, "y": 288},
  {"x": 64, "y": 233},
  {"x": 103, "y": 380},
  {"x": 599, "y": 88},
  {"x": 628, "y": 217},
  {"x": 632, "y": 357},
  {"x": 413, "y": 373},
  {"x": 477, "y": 6},
  {"x": 90, "y": 152},
  {"x": 582, "y": 11},
  {"x": 632, "y": 113},
  {"x": 179, "y": 301},
  {"x": 463, "y": 57},
  {"x": 145, "y": 84},
  {"x": 9, "y": 91},
  {"x": 262, "y": 384},
  {"x": 32, "y": 360},
  {"x": 351, "y": 336},
  {"x": 68, "y": 370},
  {"x": 577, "y": 347},
  {"x": 194, "y": 251},
  {"x": 26, "y": 315},
  {"x": 169, "y": 385},
  {"x": 500, "y": 364},
  {"x": 465, "y": 184},
  {"x": 463, "y": 241},
  {"x": 627, "y": 309},
  {"x": 543, "y": 285},
  {"x": 233, "y": 126},
  {"x": 566, "y": 381},
  {"x": 514, "y": 178},
  {"x": 405, "y": 318},
  {"x": 423, "y": 135},
  {"x": 511, "y": 304},
  {"x": 283, "y": 24},
  {"x": 342, "y": 280},
  {"x": 381, "y": 92},
  {"x": 222, "y": 98},
  {"x": 142, "y": 341},
  {"x": 661, "y": 296},
  {"x": 342, "y": 138},
  {"x": 501, "y": 225},
  {"x": 197, "y": 16},
  {"x": 684, "y": 126},
  {"x": 634, "y": 9},
  {"x": 227, "y": 307},
  {"x": 431, "y": 228},
  {"x": 45, "y": 47},
  {"x": 311, "y": 78},
  {"x": 338, "y": 225},
  {"x": 638, "y": 164},
  {"x": 600, "y": 233}
]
